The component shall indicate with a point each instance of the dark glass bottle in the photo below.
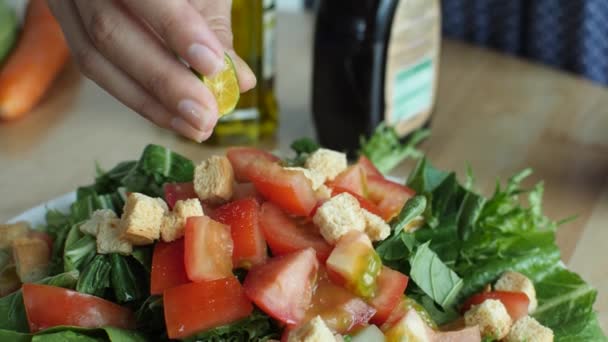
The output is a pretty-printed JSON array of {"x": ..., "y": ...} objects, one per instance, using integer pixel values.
[{"x": 374, "y": 61}]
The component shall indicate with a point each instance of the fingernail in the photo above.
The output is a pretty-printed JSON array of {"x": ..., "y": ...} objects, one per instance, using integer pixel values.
[
  {"x": 204, "y": 60},
  {"x": 184, "y": 128},
  {"x": 192, "y": 112}
]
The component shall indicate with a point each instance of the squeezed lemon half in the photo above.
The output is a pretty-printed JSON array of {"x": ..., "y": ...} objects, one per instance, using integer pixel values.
[{"x": 224, "y": 86}]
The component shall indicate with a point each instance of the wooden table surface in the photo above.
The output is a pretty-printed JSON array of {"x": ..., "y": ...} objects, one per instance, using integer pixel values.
[{"x": 498, "y": 113}]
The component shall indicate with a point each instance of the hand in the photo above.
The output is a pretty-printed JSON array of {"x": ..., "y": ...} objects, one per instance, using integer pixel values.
[{"x": 129, "y": 48}]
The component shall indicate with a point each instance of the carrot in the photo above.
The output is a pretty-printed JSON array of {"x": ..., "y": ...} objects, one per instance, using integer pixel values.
[{"x": 35, "y": 62}]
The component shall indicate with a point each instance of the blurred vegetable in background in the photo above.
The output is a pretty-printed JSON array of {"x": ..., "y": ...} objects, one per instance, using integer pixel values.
[
  {"x": 8, "y": 29},
  {"x": 32, "y": 66}
]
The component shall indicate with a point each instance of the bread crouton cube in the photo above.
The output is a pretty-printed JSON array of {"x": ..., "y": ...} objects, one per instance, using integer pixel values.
[
  {"x": 316, "y": 179},
  {"x": 517, "y": 282},
  {"x": 12, "y": 231},
  {"x": 214, "y": 179},
  {"x": 339, "y": 215},
  {"x": 32, "y": 257},
  {"x": 141, "y": 219},
  {"x": 91, "y": 226},
  {"x": 174, "y": 223},
  {"x": 314, "y": 330},
  {"x": 327, "y": 162},
  {"x": 528, "y": 329},
  {"x": 323, "y": 192},
  {"x": 110, "y": 240},
  {"x": 375, "y": 226},
  {"x": 491, "y": 317}
]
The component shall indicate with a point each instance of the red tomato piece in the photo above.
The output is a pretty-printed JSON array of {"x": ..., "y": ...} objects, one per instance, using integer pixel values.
[
  {"x": 207, "y": 249},
  {"x": 196, "y": 307},
  {"x": 178, "y": 191},
  {"x": 389, "y": 196},
  {"x": 284, "y": 236},
  {"x": 363, "y": 202},
  {"x": 391, "y": 286},
  {"x": 351, "y": 179},
  {"x": 168, "y": 268},
  {"x": 241, "y": 157},
  {"x": 49, "y": 306},
  {"x": 288, "y": 189},
  {"x": 516, "y": 303},
  {"x": 243, "y": 218},
  {"x": 369, "y": 169},
  {"x": 283, "y": 286},
  {"x": 342, "y": 311},
  {"x": 355, "y": 263}
]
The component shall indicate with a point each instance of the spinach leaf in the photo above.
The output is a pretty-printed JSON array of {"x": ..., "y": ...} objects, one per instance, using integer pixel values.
[
  {"x": 64, "y": 336},
  {"x": 77, "y": 334},
  {"x": 12, "y": 309},
  {"x": 79, "y": 250},
  {"x": 95, "y": 277},
  {"x": 143, "y": 254},
  {"x": 129, "y": 280},
  {"x": 385, "y": 150},
  {"x": 150, "y": 318},
  {"x": 13, "y": 336},
  {"x": 425, "y": 178},
  {"x": 58, "y": 226},
  {"x": 303, "y": 148},
  {"x": 257, "y": 327},
  {"x": 431, "y": 275},
  {"x": 156, "y": 166}
]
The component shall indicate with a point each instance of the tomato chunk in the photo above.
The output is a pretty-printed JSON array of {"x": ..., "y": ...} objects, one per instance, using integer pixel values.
[
  {"x": 178, "y": 191},
  {"x": 243, "y": 218},
  {"x": 351, "y": 179},
  {"x": 168, "y": 268},
  {"x": 516, "y": 303},
  {"x": 196, "y": 307},
  {"x": 391, "y": 286},
  {"x": 241, "y": 157},
  {"x": 284, "y": 236},
  {"x": 389, "y": 196},
  {"x": 207, "y": 249},
  {"x": 363, "y": 202},
  {"x": 283, "y": 286},
  {"x": 369, "y": 169},
  {"x": 355, "y": 263},
  {"x": 246, "y": 190},
  {"x": 49, "y": 306},
  {"x": 341, "y": 310}
]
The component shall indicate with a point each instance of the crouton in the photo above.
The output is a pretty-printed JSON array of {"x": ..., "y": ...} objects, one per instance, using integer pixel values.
[
  {"x": 323, "y": 192},
  {"x": 141, "y": 219},
  {"x": 327, "y": 162},
  {"x": 110, "y": 240},
  {"x": 492, "y": 318},
  {"x": 12, "y": 231},
  {"x": 517, "y": 282},
  {"x": 338, "y": 216},
  {"x": 32, "y": 257},
  {"x": 316, "y": 178},
  {"x": 174, "y": 223},
  {"x": 214, "y": 180},
  {"x": 314, "y": 330},
  {"x": 528, "y": 329},
  {"x": 91, "y": 226},
  {"x": 375, "y": 227}
]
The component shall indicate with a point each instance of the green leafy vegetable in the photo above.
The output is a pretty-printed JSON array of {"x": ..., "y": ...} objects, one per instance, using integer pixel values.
[
  {"x": 437, "y": 280},
  {"x": 386, "y": 151},
  {"x": 303, "y": 148},
  {"x": 129, "y": 280},
  {"x": 79, "y": 250},
  {"x": 257, "y": 327},
  {"x": 95, "y": 277},
  {"x": 150, "y": 318}
]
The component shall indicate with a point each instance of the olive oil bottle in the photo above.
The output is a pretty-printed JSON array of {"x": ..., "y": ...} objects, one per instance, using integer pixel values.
[
  {"x": 375, "y": 61},
  {"x": 254, "y": 41}
]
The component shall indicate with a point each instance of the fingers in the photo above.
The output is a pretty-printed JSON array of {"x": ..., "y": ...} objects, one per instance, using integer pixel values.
[
  {"x": 184, "y": 30},
  {"x": 247, "y": 79},
  {"x": 111, "y": 78},
  {"x": 132, "y": 48}
]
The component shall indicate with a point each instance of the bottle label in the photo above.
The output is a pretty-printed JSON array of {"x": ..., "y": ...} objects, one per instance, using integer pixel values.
[
  {"x": 241, "y": 114},
  {"x": 268, "y": 54},
  {"x": 412, "y": 65}
]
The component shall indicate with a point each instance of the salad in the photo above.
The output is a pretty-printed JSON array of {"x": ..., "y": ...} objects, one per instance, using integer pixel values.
[{"x": 249, "y": 246}]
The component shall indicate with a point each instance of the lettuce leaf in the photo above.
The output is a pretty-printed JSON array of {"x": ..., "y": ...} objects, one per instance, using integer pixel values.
[{"x": 257, "y": 327}]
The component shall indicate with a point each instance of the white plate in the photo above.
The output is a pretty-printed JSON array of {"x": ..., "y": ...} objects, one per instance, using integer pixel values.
[{"x": 36, "y": 215}]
